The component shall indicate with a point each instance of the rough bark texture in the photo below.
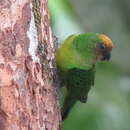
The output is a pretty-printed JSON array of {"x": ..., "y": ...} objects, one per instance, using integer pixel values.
[{"x": 27, "y": 89}]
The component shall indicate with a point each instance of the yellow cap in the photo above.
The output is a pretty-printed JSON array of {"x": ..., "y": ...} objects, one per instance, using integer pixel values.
[{"x": 106, "y": 40}]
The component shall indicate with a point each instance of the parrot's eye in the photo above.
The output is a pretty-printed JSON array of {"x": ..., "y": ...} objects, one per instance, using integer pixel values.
[{"x": 102, "y": 46}]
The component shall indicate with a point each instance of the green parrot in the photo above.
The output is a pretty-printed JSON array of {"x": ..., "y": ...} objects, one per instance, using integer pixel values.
[{"x": 76, "y": 59}]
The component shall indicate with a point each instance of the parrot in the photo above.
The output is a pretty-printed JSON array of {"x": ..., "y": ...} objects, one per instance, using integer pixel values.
[{"x": 76, "y": 60}]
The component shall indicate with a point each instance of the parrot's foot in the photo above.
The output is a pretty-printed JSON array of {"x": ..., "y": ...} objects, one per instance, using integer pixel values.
[{"x": 83, "y": 99}]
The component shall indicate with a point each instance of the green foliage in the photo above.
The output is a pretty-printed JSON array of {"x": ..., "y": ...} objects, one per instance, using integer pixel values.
[{"x": 108, "y": 106}]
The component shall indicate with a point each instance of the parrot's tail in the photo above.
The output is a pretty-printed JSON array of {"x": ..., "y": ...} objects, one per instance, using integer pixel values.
[{"x": 68, "y": 104}]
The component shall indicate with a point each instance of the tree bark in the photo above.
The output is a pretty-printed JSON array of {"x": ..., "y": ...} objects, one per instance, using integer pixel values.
[{"x": 28, "y": 98}]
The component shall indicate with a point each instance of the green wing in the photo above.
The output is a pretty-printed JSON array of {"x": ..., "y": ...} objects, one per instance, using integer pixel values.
[{"x": 79, "y": 82}]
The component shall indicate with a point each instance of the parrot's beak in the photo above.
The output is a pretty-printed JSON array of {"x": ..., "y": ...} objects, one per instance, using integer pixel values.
[{"x": 106, "y": 56}]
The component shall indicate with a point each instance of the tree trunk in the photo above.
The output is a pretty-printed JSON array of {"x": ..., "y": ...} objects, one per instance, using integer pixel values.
[{"x": 28, "y": 99}]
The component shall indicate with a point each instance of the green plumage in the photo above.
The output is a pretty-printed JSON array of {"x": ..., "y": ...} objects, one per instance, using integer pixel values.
[
  {"x": 78, "y": 83},
  {"x": 76, "y": 60},
  {"x": 79, "y": 79}
]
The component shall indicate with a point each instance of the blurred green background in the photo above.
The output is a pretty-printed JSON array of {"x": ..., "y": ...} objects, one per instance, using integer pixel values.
[{"x": 108, "y": 106}]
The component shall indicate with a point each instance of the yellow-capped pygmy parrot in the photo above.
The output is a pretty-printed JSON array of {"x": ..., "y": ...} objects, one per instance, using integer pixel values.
[{"x": 76, "y": 59}]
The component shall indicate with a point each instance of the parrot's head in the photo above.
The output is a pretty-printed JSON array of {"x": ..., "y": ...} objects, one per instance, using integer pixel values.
[
  {"x": 93, "y": 47},
  {"x": 103, "y": 48}
]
